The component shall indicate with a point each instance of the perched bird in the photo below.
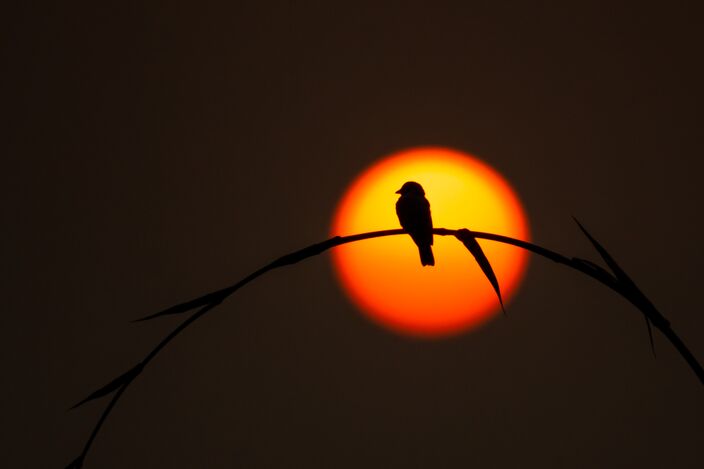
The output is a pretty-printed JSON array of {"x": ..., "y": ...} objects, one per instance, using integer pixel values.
[{"x": 413, "y": 211}]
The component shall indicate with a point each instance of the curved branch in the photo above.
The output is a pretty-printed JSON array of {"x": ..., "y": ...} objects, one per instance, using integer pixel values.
[{"x": 620, "y": 283}]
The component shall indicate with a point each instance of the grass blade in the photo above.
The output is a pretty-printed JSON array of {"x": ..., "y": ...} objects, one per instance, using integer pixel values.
[
  {"x": 628, "y": 284},
  {"x": 613, "y": 265},
  {"x": 113, "y": 385},
  {"x": 214, "y": 297},
  {"x": 470, "y": 242}
]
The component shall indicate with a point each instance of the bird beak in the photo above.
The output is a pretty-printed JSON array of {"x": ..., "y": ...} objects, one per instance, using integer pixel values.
[{"x": 398, "y": 191}]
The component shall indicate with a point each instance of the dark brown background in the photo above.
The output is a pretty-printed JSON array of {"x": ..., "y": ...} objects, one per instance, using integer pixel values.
[{"x": 153, "y": 153}]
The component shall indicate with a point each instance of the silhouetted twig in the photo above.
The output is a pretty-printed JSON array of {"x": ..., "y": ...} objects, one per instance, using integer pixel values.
[{"x": 617, "y": 280}]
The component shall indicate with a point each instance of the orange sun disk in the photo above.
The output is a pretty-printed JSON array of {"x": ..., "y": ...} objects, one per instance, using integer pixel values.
[{"x": 384, "y": 277}]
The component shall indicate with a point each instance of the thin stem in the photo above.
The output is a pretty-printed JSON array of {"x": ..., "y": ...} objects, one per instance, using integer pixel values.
[{"x": 211, "y": 300}]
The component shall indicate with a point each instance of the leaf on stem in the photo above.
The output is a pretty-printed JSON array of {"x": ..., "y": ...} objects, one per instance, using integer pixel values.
[
  {"x": 113, "y": 385},
  {"x": 629, "y": 287},
  {"x": 615, "y": 268},
  {"x": 470, "y": 242},
  {"x": 214, "y": 297}
]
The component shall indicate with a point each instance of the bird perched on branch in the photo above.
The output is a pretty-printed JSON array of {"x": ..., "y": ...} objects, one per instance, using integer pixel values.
[{"x": 413, "y": 211}]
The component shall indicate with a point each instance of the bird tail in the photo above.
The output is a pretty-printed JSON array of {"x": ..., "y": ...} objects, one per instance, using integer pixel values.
[{"x": 426, "y": 255}]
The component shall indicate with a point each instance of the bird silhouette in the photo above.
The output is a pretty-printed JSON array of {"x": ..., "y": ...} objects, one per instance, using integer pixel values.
[{"x": 413, "y": 211}]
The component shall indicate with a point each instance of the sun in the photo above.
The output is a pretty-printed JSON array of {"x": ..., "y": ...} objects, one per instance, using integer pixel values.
[{"x": 384, "y": 277}]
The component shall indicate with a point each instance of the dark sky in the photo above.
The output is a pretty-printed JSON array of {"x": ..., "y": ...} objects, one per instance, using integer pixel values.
[{"x": 151, "y": 153}]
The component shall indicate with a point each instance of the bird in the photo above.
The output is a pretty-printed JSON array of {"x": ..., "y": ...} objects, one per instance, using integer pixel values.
[{"x": 413, "y": 211}]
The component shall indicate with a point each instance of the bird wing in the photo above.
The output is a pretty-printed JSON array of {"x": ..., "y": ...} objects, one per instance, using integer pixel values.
[{"x": 414, "y": 215}]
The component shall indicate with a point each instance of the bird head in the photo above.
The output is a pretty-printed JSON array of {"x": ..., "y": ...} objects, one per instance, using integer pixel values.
[{"x": 411, "y": 188}]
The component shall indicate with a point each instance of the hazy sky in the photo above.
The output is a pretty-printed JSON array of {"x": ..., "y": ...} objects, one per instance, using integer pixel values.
[{"x": 154, "y": 153}]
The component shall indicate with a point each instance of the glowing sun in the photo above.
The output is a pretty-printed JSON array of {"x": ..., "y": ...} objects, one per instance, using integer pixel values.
[{"x": 384, "y": 277}]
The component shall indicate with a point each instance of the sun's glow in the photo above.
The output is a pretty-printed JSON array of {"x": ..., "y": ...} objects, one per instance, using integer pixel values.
[{"x": 384, "y": 277}]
